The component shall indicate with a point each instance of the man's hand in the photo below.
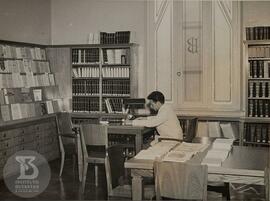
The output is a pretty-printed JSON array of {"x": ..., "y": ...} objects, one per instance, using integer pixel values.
[{"x": 128, "y": 122}]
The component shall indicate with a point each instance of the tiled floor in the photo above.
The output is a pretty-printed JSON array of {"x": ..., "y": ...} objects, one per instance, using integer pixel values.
[{"x": 68, "y": 187}]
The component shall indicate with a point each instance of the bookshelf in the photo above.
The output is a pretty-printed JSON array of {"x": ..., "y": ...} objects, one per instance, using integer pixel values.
[
  {"x": 27, "y": 85},
  {"x": 101, "y": 77},
  {"x": 256, "y": 130}
]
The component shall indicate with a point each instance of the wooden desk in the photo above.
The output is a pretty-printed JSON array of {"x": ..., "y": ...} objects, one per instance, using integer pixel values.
[
  {"x": 244, "y": 165},
  {"x": 131, "y": 130}
]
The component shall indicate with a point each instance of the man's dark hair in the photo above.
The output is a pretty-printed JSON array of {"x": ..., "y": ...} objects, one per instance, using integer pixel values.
[{"x": 156, "y": 96}]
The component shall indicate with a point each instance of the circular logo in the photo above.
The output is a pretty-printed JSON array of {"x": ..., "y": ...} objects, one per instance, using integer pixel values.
[{"x": 27, "y": 173}]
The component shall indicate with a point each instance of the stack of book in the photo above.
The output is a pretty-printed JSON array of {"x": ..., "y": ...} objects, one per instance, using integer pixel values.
[
  {"x": 116, "y": 87},
  {"x": 259, "y": 133},
  {"x": 120, "y": 37},
  {"x": 258, "y": 33},
  {"x": 85, "y": 56},
  {"x": 83, "y": 104},
  {"x": 258, "y": 108},
  {"x": 259, "y": 69},
  {"x": 113, "y": 105},
  {"x": 85, "y": 87},
  {"x": 259, "y": 52},
  {"x": 88, "y": 72},
  {"x": 115, "y": 72}
]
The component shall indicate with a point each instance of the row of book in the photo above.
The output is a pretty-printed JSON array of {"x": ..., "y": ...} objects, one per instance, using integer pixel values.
[
  {"x": 85, "y": 56},
  {"x": 116, "y": 87},
  {"x": 17, "y": 80},
  {"x": 79, "y": 72},
  {"x": 258, "y": 108},
  {"x": 116, "y": 56},
  {"x": 119, "y": 37},
  {"x": 85, "y": 87},
  {"x": 257, "y": 133},
  {"x": 258, "y": 33},
  {"x": 259, "y": 89},
  {"x": 259, "y": 69},
  {"x": 259, "y": 52},
  {"x": 28, "y": 95},
  {"x": 115, "y": 72},
  {"x": 113, "y": 105},
  {"x": 35, "y": 53},
  {"x": 26, "y": 110},
  {"x": 85, "y": 104},
  {"x": 24, "y": 66}
]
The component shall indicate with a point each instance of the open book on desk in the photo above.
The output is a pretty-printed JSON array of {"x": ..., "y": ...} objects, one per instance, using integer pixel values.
[
  {"x": 158, "y": 150},
  {"x": 218, "y": 153},
  {"x": 185, "y": 151}
]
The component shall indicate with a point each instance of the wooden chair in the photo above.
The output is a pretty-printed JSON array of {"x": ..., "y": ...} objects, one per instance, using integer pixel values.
[
  {"x": 180, "y": 180},
  {"x": 94, "y": 142},
  {"x": 118, "y": 184},
  {"x": 69, "y": 137}
]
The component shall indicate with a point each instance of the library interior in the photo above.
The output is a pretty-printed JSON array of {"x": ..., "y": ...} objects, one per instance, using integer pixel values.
[{"x": 135, "y": 100}]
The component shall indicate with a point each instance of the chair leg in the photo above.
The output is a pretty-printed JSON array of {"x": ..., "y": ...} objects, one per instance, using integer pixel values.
[
  {"x": 96, "y": 175},
  {"x": 85, "y": 167},
  {"x": 62, "y": 163}
]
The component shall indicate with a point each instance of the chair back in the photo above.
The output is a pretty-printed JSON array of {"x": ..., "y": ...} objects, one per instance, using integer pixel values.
[
  {"x": 93, "y": 134},
  {"x": 191, "y": 130},
  {"x": 180, "y": 180},
  {"x": 114, "y": 166},
  {"x": 65, "y": 123}
]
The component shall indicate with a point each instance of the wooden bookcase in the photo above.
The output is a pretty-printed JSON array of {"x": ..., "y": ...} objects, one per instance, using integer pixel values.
[
  {"x": 28, "y": 121},
  {"x": 102, "y": 73},
  {"x": 256, "y": 124}
]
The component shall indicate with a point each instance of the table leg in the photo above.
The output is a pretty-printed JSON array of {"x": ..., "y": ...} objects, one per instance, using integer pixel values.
[
  {"x": 138, "y": 143},
  {"x": 137, "y": 187}
]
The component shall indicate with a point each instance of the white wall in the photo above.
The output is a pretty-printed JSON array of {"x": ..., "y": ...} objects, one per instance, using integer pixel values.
[
  {"x": 256, "y": 13},
  {"x": 72, "y": 20},
  {"x": 25, "y": 21}
]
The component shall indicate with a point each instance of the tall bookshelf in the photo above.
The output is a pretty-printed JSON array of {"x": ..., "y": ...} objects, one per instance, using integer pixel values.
[
  {"x": 256, "y": 131},
  {"x": 101, "y": 77}
]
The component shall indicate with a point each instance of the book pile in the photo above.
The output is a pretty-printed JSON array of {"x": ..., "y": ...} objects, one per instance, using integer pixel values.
[
  {"x": 116, "y": 87},
  {"x": 218, "y": 152},
  {"x": 84, "y": 104},
  {"x": 113, "y": 105},
  {"x": 115, "y": 72},
  {"x": 258, "y": 33},
  {"x": 85, "y": 56},
  {"x": 24, "y": 66},
  {"x": 257, "y": 133},
  {"x": 119, "y": 37},
  {"x": 259, "y": 69},
  {"x": 79, "y": 72},
  {"x": 258, "y": 108}
]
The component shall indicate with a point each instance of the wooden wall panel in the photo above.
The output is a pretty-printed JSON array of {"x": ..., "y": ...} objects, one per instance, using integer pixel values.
[
  {"x": 222, "y": 68},
  {"x": 163, "y": 56}
]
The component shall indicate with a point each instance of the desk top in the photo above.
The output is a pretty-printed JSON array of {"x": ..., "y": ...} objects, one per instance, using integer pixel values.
[
  {"x": 250, "y": 161},
  {"x": 124, "y": 129}
]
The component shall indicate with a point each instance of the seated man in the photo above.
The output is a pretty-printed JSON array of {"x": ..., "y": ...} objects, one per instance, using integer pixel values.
[{"x": 166, "y": 121}]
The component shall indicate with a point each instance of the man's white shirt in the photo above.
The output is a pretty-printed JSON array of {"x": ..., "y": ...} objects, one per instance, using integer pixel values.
[{"x": 166, "y": 123}]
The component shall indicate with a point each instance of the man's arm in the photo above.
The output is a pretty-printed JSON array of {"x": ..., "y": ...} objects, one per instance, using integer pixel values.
[{"x": 151, "y": 121}]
